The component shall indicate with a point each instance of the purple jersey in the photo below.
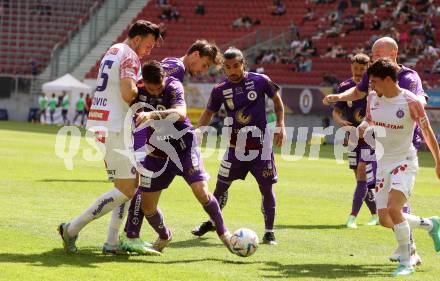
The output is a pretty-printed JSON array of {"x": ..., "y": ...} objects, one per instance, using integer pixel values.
[
  {"x": 171, "y": 96},
  {"x": 354, "y": 111},
  {"x": 174, "y": 67},
  {"x": 407, "y": 79},
  {"x": 244, "y": 103}
]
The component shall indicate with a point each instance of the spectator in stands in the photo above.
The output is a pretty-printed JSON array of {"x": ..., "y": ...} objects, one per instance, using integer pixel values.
[
  {"x": 2, "y": 11},
  {"x": 278, "y": 8},
  {"x": 415, "y": 46},
  {"x": 358, "y": 24},
  {"x": 342, "y": 6},
  {"x": 162, "y": 3},
  {"x": 376, "y": 24},
  {"x": 304, "y": 64},
  {"x": 309, "y": 16},
  {"x": 330, "y": 80},
  {"x": 175, "y": 14},
  {"x": 294, "y": 30},
  {"x": 166, "y": 13},
  {"x": 34, "y": 66},
  {"x": 430, "y": 52},
  {"x": 436, "y": 67},
  {"x": 242, "y": 21},
  {"x": 334, "y": 31},
  {"x": 364, "y": 6},
  {"x": 200, "y": 9}
]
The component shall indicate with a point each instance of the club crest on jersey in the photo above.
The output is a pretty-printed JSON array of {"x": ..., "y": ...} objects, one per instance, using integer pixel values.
[
  {"x": 358, "y": 116},
  {"x": 252, "y": 95},
  {"x": 230, "y": 104},
  {"x": 400, "y": 113},
  {"x": 238, "y": 91},
  {"x": 243, "y": 119}
]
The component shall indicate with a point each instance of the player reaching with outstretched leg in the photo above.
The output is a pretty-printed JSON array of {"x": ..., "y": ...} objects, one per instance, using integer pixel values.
[
  {"x": 394, "y": 112},
  {"x": 116, "y": 90}
]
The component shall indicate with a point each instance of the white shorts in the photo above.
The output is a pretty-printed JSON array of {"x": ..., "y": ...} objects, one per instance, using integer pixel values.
[
  {"x": 118, "y": 166},
  {"x": 400, "y": 176}
]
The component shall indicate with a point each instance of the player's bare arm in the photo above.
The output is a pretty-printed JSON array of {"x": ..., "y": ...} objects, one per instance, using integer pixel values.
[
  {"x": 349, "y": 95},
  {"x": 161, "y": 114},
  {"x": 129, "y": 90},
  {"x": 205, "y": 118},
  {"x": 337, "y": 117},
  {"x": 280, "y": 134}
]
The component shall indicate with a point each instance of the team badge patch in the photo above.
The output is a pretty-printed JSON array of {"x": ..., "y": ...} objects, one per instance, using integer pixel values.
[
  {"x": 252, "y": 95},
  {"x": 400, "y": 113}
]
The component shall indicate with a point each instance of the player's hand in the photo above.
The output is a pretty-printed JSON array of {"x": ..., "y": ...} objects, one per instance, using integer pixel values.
[
  {"x": 280, "y": 135},
  {"x": 330, "y": 99},
  {"x": 343, "y": 123},
  {"x": 142, "y": 117},
  {"x": 361, "y": 132}
]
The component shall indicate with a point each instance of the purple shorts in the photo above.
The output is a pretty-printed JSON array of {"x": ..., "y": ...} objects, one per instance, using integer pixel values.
[
  {"x": 231, "y": 168},
  {"x": 164, "y": 173},
  {"x": 365, "y": 154}
]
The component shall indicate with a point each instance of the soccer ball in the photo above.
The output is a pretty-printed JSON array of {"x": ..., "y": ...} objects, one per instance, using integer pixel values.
[{"x": 244, "y": 242}]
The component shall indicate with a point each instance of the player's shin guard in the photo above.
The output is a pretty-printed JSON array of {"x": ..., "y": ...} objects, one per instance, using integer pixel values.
[
  {"x": 214, "y": 212},
  {"x": 370, "y": 200},
  {"x": 157, "y": 223},
  {"x": 118, "y": 215},
  {"x": 402, "y": 233},
  {"x": 221, "y": 193},
  {"x": 358, "y": 197},
  {"x": 135, "y": 217},
  {"x": 268, "y": 206},
  {"x": 104, "y": 204}
]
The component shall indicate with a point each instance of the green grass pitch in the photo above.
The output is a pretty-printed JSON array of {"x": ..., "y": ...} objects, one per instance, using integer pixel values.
[{"x": 313, "y": 202}]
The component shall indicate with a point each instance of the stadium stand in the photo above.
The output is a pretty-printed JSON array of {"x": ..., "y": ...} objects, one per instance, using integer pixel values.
[{"x": 29, "y": 30}]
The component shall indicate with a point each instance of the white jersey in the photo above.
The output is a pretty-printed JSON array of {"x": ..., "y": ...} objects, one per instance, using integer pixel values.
[
  {"x": 398, "y": 115},
  {"x": 108, "y": 107}
]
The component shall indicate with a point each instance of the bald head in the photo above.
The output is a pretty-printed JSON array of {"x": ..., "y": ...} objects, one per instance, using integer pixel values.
[{"x": 385, "y": 47}]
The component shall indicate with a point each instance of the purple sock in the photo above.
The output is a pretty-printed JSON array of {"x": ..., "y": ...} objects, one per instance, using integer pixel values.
[
  {"x": 214, "y": 212},
  {"x": 221, "y": 193},
  {"x": 358, "y": 197},
  {"x": 370, "y": 200},
  {"x": 135, "y": 217},
  {"x": 156, "y": 222},
  {"x": 268, "y": 205}
]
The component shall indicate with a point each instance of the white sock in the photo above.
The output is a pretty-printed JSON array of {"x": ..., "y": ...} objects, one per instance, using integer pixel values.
[
  {"x": 104, "y": 204},
  {"x": 118, "y": 215},
  {"x": 418, "y": 222},
  {"x": 402, "y": 233}
]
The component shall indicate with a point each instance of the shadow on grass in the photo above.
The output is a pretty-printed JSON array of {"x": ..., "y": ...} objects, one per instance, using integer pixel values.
[
  {"x": 71, "y": 180},
  {"x": 310, "y": 226},
  {"x": 91, "y": 258},
  {"x": 327, "y": 270}
]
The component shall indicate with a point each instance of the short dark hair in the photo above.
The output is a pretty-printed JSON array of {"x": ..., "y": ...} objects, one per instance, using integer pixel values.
[
  {"x": 232, "y": 53},
  {"x": 382, "y": 68},
  {"x": 143, "y": 28},
  {"x": 206, "y": 49},
  {"x": 153, "y": 72},
  {"x": 360, "y": 58}
]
